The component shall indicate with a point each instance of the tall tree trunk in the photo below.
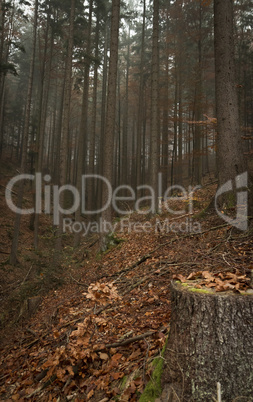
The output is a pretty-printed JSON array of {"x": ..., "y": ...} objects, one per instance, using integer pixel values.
[
  {"x": 82, "y": 143},
  {"x": 229, "y": 144},
  {"x": 2, "y": 103},
  {"x": 103, "y": 115},
  {"x": 53, "y": 133},
  {"x": 14, "y": 246},
  {"x": 2, "y": 75},
  {"x": 110, "y": 120},
  {"x": 197, "y": 150},
  {"x": 175, "y": 139},
  {"x": 65, "y": 121},
  {"x": 144, "y": 139},
  {"x": 92, "y": 202},
  {"x": 45, "y": 83},
  {"x": 141, "y": 155},
  {"x": 155, "y": 138},
  {"x": 165, "y": 131},
  {"x": 180, "y": 120},
  {"x": 82, "y": 151},
  {"x": 118, "y": 142},
  {"x": 126, "y": 117}
]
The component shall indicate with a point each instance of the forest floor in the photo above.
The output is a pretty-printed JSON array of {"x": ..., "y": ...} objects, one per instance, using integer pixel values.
[{"x": 90, "y": 326}]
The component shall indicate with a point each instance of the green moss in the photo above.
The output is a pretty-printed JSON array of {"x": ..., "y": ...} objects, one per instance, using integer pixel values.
[
  {"x": 98, "y": 256},
  {"x": 112, "y": 242},
  {"x": 154, "y": 387},
  {"x": 202, "y": 214},
  {"x": 123, "y": 382},
  {"x": 192, "y": 289}
]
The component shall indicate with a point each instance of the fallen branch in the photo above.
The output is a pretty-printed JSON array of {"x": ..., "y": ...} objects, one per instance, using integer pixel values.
[
  {"x": 29, "y": 345},
  {"x": 31, "y": 331},
  {"x": 25, "y": 278},
  {"x": 134, "y": 265},
  {"x": 125, "y": 270},
  {"x": 93, "y": 243},
  {"x": 78, "y": 282},
  {"x": 127, "y": 341},
  {"x": 181, "y": 216},
  {"x": 137, "y": 284},
  {"x": 12, "y": 191},
  {"x": 43, "y": 386},
  {"x": 76, "y": 320}
]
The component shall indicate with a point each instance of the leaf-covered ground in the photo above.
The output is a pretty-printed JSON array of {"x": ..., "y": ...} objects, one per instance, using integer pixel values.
[{"x": 95, "y": 336}]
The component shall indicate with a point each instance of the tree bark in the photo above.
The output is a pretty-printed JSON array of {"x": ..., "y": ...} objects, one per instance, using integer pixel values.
[
  {"x": 103, "y": 113},
  {"x": 125, "y": 166},
  {"x": 65, "y": 120},
  {"x": 155, "y": 137},
  {"x": 83, "y": 131},
  {"x": 43, "y": 105},
  {"x": 91, "y": 167},
  {"x": 3, "y": 59},
  {"x": 140, "y": 153},
  {"x": 110, "y": 118},
  {"x": 197, "y": 134},
  {"x": 229, "y": 144},
  {"x": 210, "y": 341}
]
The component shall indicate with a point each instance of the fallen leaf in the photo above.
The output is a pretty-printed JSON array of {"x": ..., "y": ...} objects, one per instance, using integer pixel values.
[
  {"x": 15, "y": 397},
  {"x": 117, "y": 357},
  {"x": 90, "y": 394},
  {"x": 210, "y": 285},
  {"x": 194, "y": 275},
  {"x": 103, "y": 356},
  {"x": 116, "y": 376},
  {"x": 180, "y": 277},
  {"x": 207, "y": 275}
]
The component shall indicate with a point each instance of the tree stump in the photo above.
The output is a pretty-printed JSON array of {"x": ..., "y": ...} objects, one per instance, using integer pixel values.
[{"x": 210, "y": 341}]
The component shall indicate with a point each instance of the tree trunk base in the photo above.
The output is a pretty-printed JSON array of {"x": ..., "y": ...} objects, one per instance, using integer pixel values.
[{"x": 210, "y": 341}]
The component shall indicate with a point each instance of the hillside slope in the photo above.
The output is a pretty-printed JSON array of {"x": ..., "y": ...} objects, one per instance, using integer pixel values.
[{"x": 94, "y": 337}]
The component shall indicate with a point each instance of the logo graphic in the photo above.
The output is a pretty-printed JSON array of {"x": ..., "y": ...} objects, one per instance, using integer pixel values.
[
  {"x": 241, "y": 220},
  {"x": 48, "y": 200}
]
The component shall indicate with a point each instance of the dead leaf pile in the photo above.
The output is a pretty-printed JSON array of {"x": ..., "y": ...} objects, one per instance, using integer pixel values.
[
  {"x": 220, "y": 282},
  {"x": 102, "y": 293},
  {"x": 81, "y": 356}
]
